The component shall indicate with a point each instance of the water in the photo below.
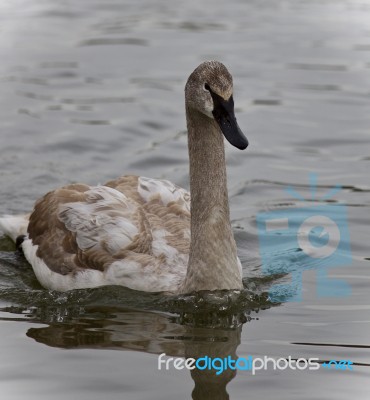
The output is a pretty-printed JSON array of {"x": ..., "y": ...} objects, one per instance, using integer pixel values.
[{"x": 91, "y": 90}]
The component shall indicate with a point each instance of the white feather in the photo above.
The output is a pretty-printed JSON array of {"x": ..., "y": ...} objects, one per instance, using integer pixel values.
[
  {"x": 126, "y": 273},
  {"x": 106, "y": 218},
  {"x": 148, "y": 188},
  {"x": 14, "y": 225},
  {"x": 52, "y": 280}
]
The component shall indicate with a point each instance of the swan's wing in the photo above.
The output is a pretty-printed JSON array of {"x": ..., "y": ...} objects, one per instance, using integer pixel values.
[
  {"x": 79, "y": 227},
  {"x": 166, "y": 208},
  {"x": 105, "y": 222}
]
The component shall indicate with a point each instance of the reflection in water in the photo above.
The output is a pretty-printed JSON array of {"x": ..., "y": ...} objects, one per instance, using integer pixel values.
[
  {"x": 125, "y": 329},
  {"x": 208, "y": 385},
  {"x": 192, "y": 326}
]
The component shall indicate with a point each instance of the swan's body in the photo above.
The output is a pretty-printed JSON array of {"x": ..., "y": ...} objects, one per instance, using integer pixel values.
[{"x": 143, "y": 233}]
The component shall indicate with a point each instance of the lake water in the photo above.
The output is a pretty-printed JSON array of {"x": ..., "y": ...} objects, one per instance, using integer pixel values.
[{"x": 90, "y": 90}]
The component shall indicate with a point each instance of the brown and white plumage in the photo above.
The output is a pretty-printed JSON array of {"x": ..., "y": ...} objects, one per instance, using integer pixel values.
[{"x": 143, "y": 233}]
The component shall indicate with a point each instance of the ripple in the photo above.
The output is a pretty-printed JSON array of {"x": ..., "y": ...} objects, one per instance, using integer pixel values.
[
  {"x": 317, "y": 67},
  {"x": 54, "y": 107},
  {"x": 65, "y": 14},
  {"x": 194, "y": 26},
  {"x": 26, "y": 80},
  {"x": 25, "y": 111},
  {"x": 158, "y": 126},
  {"x": 152, "y": 83},
  {"x": 90, "y": 121},
  {"x": 267, "y": 102},
  {"x": 58, "y": 64},
  {"x": 155, "y": 160},
  {"x": 355, "y": 307},
  {"x": 97, "y": 100},
  {"x": 319, "y": 87},
  {"x": 114, "y": 42},
  {"x": 225, "y": 309},
  {"x": 36, "y": 96}
]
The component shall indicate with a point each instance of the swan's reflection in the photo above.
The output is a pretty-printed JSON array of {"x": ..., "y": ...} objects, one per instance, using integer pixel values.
[
  {"x": 107, "y": 327},
  {"x": 208, "y": 385}
]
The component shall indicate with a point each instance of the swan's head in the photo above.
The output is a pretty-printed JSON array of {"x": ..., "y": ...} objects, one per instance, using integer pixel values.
[{"x": 209, "y": 90}]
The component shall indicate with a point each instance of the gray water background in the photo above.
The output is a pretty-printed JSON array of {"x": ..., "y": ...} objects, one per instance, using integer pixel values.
[{"x": 90, "y": 90}]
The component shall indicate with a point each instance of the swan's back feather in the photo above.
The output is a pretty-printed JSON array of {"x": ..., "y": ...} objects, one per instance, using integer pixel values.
[
  {"x": 104, "y": 221},
  {"x": 167, "y": 191},
  {"x": 128, "y": 229}
]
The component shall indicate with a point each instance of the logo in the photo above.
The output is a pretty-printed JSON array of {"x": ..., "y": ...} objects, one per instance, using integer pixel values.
[
  {"x": 251, "y": 364},
  {"x": 295, "y": 240},
  {"x": 343, "y": 365}
]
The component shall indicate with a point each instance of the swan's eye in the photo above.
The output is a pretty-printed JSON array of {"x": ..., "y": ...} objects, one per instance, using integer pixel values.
[{"x": 206, "y": 87}]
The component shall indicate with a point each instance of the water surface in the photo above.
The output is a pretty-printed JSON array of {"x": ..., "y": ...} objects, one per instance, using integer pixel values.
[{"x": 91, "y": 90}]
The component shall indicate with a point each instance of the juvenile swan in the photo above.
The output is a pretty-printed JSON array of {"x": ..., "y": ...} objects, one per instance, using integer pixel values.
[{"x": 144, "y": 233}]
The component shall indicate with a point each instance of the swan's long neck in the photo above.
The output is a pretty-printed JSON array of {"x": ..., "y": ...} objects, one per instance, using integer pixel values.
[{"x": 213, "y": 262}]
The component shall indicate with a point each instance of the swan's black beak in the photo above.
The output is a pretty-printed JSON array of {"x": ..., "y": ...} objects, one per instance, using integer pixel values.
[{"x": 223, "y": 113}]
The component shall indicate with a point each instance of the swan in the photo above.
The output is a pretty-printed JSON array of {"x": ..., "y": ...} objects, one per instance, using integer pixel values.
[{"x": 140, "y": 232}]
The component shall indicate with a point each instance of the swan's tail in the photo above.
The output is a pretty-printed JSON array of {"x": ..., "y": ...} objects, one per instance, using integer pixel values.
[{"x": 14, "y": 225}]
